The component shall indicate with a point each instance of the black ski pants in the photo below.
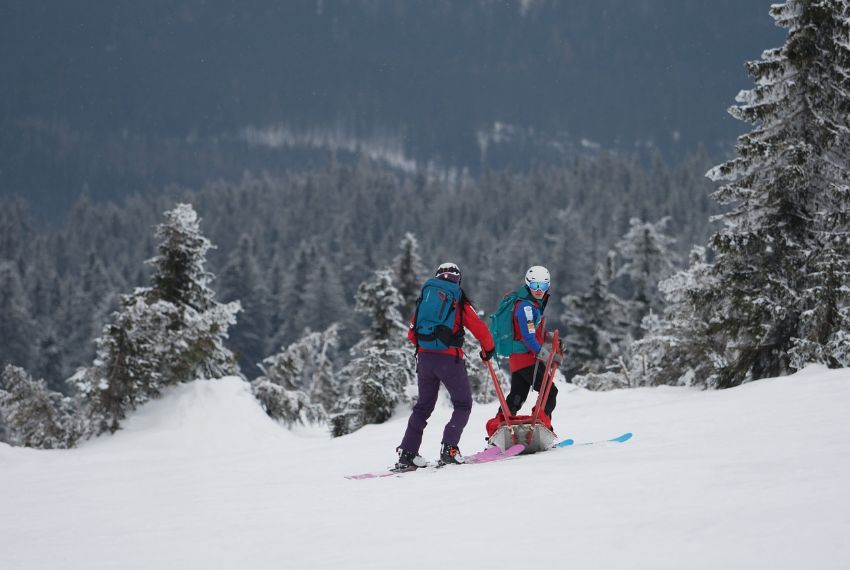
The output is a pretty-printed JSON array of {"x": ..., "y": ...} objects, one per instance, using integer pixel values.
[{"x": 521, "y": 382}]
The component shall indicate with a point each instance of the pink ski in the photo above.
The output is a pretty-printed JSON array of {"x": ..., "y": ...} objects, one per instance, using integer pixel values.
[{"x": 486, "y": 456}]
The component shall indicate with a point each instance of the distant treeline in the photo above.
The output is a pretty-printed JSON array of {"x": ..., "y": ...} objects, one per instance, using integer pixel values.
[{"x": 294, "y": 248}]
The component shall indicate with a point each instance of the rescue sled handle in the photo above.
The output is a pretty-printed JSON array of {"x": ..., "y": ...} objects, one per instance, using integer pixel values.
[
  {"x": 506, "y": 413},
  {"x": 542, "y": 394},
  {"x": 548, "y": 378}
]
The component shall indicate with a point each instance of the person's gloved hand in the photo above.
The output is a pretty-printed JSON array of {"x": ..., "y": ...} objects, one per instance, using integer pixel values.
[
  {"x": 487, "y": 354},
  {"x": 546, "y": 352},
  {"x": 561, "y": 350}
]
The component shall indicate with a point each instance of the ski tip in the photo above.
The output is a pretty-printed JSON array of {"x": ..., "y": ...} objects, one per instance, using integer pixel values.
[
  {"x": 625, "y": 437},
  {"x": 565, "y": 443}
]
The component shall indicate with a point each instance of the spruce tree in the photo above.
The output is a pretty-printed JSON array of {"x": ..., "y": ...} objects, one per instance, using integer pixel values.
[
  {"x": 783, "y": 244},
  {"x": 51, "y": 363},
  {"x": 34, "y": 416},
  {"x": 291, "y": 307},
  {"x": 17, "y": 330},
  {"x": 570, "y": 253},
  {"x": 179, "y": 276},
  {"x": 325, "y": 388},
  {"x": 676, "y": 347},
  {"x": 170, "y": 332},
  {"x": 241, "y": 280},
  {"x": 597, "y": 322},
  {"x": 298, "y": 384},
  {"x": 323, "y": 297},
  {"x": 648, "y": 258},
  {"x": 132, "y": 362},
  {"x": 180, "y": 279},
  {"x": 409, "y": 273},
  {"x": 382, "y": 369}
]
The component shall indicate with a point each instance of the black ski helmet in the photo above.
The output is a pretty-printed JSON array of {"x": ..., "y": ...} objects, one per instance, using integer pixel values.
[{"x": 448, "y": 271}]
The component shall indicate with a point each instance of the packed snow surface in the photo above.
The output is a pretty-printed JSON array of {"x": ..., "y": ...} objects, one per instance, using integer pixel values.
[{"x": 752, "y": 477}]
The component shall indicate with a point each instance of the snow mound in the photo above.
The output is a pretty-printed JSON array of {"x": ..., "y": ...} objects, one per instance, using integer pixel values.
[{"x": 201, "y": 416}]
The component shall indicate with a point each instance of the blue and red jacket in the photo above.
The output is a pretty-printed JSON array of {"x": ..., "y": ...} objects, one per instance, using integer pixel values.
[
  {"x": 530, "y": 329},
  {"x": 471, "y": 321}
]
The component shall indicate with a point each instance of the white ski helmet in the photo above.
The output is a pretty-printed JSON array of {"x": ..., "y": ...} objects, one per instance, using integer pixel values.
[
  {"x": 448, "y": 271},
  {"x": 537, "y": 273}
]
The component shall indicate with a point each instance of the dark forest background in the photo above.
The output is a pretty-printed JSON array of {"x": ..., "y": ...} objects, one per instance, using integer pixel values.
[{"x": 312, "y": 136}]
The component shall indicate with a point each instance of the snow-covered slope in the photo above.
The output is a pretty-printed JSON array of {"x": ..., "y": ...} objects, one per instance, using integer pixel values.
[{"x": 753, "y": 477}]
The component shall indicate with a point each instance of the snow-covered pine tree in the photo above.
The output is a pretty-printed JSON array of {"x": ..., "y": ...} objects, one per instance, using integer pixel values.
[
  {"x": 788, "y": 192},
  {"x": 676, "y": 347},
  {"x": 88, "y": 301},
  {"x": 382, "y": 368},
  {"x": 648, "y": 258},
  {"x": 597, "y": 324},
  {"x": 180, "y": 278},
  {"x": 292, "y": 312},
  {"x": 131, "y": 363},
  {"x": 325, "y": 388},
  {"x": 241, "y": 280},
  {"x": 410, "y": 272},
  {"x": 323, "y": 297},
  {"x": 274, "y": 274},
  {"x": 570, "y": 251},
  {"x": 298, "y": 384},
  {"x": 51, "y": 358},
  {"x": 825, "y": 323},
  {"x": 16, "y": 325},
  {"x": 15, "y": 227},
  {"x": 168, "y": 333},
  {"x": 34, "y": 416}
]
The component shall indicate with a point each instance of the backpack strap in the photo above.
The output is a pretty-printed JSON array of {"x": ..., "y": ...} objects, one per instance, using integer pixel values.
[
  {"x": 416, "y": 336},
  {"x": 461, "y": 304}
]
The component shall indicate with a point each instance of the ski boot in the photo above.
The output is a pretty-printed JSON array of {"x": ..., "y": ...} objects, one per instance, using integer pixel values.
[
  {"x": 450, "y": 455},
  {"x": 408, "y": 461}
]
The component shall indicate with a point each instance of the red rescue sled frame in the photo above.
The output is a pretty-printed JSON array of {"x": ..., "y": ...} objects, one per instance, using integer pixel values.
[{"x": 523, "y": 430}]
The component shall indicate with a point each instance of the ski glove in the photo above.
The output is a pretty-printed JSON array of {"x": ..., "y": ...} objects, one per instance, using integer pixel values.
[
  {"x": 487, "y": 354},
  {"x": 545, "y": 352}
]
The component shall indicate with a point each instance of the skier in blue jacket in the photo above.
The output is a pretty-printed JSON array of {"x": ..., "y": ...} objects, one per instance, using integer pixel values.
[{"x": 527, "y": 368}]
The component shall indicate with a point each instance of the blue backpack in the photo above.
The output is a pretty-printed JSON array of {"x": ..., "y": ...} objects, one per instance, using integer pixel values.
[{"x": 435, "y": 315}]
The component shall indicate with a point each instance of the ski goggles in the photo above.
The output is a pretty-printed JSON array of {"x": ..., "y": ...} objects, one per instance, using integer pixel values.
[{"x": 538, "y": 285}]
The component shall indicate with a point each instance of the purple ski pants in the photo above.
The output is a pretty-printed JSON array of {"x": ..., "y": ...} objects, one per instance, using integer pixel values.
[{"x": 433, "y": 368}]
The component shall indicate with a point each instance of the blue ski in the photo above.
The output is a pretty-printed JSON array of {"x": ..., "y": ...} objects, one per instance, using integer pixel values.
[{"x": 620, "y": 439}]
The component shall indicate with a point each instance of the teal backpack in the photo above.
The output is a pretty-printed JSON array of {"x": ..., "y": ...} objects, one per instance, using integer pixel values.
[
  {"x": 435, "y": 315},
  {"x": 502, "y": 326}
]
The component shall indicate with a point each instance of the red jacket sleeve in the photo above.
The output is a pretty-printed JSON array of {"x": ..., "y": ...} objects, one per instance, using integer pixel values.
[{"x": 477, "y": 327}]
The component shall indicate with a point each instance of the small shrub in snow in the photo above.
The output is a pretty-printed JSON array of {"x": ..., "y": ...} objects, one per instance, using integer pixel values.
[
  {"x": 299, "y": 383},
  {"x": 35, "y": 416}
]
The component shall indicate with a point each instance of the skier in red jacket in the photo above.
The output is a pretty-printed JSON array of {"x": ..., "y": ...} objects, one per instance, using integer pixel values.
[{"x": 439, "y": 358}]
